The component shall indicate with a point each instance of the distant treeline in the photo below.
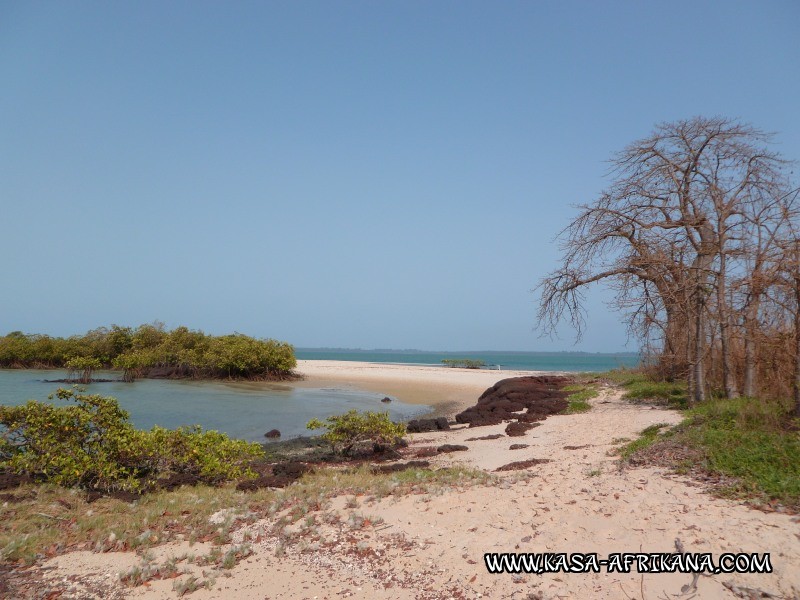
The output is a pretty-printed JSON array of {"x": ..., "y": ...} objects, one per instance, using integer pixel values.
[{"x": 152, "y": 351}]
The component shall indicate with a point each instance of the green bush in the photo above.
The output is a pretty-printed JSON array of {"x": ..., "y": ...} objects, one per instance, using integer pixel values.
[
  {"x": 354, "y": 431},
  {"x": 92, "y": 445},
  {"x": 179, "y": 353},
  {"x": 86, "y": 365}
]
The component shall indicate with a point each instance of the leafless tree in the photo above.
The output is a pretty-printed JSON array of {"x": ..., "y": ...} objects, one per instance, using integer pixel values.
[{"x": 676, "y": 224}]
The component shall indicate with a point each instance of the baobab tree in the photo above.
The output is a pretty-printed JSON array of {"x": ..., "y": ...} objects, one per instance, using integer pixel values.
[{"x": 668, "y": 233}]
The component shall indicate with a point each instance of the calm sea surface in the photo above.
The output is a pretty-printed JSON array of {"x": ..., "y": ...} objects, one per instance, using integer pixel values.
[
  {"x": 525, "y": 361},
  {"x": 242, "y": 410},
  {"x": 248, "y": 410}
]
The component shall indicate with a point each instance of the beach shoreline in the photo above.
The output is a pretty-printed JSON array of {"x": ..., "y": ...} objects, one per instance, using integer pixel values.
[
  {"x": 446, "y": 390},
  {"x": 431, "y": 543}
]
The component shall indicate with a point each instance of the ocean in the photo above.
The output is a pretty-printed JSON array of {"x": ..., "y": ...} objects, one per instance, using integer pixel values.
[{"x": 573, "y": 362}]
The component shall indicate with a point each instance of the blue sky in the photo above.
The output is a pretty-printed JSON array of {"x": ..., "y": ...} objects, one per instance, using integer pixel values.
[{"x": 352, "y": 174}]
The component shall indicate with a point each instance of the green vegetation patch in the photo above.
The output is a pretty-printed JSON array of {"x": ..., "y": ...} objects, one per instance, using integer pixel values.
[
  {"x": 92, "y": 445},
  {"x": 749, "y": 447},
  {"x": 354, "y": 431},
  {"x": 647, "y": 437},
  {"x": 151, "y": 350},
  {"x": 580, "y": 396},
  {"x": 754, "y": 441},
  {"x": 640, "y": 388}
]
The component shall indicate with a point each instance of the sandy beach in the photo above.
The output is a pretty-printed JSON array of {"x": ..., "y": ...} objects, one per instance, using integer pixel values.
[
  {"x": 432, "y": 545},
  {"x": 446, "y": 390}
]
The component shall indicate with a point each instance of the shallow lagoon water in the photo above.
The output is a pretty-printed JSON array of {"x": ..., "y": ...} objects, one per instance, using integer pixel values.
[{"x": 244, "y": 410}]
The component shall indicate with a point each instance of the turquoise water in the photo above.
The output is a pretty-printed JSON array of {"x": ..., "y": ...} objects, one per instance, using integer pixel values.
[
  {"x": 243, "y": 410},
  {"x": 526, "y": 361}
]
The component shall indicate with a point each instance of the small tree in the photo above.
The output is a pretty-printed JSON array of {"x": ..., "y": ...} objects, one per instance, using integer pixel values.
[
  {"x": 352, "y": 431},
  {"x": 463, "y": 363},
  {"x": 86, "y": 365}
]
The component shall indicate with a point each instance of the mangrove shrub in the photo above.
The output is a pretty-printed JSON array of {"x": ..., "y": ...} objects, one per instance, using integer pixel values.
[{"x": 91, "y": 444}]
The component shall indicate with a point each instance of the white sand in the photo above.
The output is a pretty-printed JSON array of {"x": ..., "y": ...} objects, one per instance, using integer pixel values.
[
  {"x": 432, "y": 546},
  {"x": 448, "y": 390}
]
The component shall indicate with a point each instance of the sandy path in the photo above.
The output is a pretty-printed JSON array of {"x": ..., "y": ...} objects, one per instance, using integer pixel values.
[{"x": 432, "y": 545}]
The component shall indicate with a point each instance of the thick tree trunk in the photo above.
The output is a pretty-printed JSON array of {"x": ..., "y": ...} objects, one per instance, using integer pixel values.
[
  {"x": 699, "y": 391},
  {"x": 750, "y": 327},
  {"x": 728, "y": 376}
]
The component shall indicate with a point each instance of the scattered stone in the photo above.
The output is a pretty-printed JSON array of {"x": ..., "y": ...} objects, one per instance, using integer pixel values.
[
  {"x": 445, "y": 448},
  {"x": 424, "y": 425},
  {"x": 386, "y": 400},
  {"x": 523, "y": 464},
  {"x": 534, "y": 420},
  {"x": 426, "y": 451},
  {"x": 292, "y": 469},
  {"x": 578, "y": 447},
  {"x": 518, "y": 429},
  {"x": 495, "y": 436},
  {"x": 272, "y": 434},
  {"x": 484, "y": 420},
  {"x": 518, "y": 446},
  {"x": 176, "y": 480},
  {"x": 10, "y": 481},
  {"x": 282, "y": 474}
]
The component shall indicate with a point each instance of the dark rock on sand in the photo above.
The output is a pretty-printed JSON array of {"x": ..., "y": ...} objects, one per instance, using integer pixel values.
[
  {"x": 176, "y": 480},
  {"x": 517, "y": 429},
  {"x": 486, "y": 420},
  {"x": 386, "y": 399},
  {"x": 444, "y": 448},
  {"x": 495, "y": 436},
  {"x": 282, "y": 474},
  {"x": 426, "y": 451},
  {"x": 10, "y": 481},
  {"x": 272, "y": 434},
  {"x": 539, "y": 396},
  {"x": 523, "y": 464},
  {"x": 424, "y": 425},
  {"x": 518, "y": 446}
]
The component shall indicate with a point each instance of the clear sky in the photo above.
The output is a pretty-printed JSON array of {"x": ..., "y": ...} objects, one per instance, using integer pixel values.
[{"x": 355, "y": 174}]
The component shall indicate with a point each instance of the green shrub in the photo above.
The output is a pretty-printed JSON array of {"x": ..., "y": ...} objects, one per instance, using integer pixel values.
[
  {"x": 353, "y": 431},
  {"x": 579, "y": 398},
  {"x": 92, "y": 445},
  {"x": 181, "y": 352},
  {"x": 210, "y": 455}
]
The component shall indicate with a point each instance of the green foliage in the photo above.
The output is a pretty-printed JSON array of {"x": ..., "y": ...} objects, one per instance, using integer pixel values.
[
  {"x": 579, "y": 398},
  {"x": 755, "y": 441},
  {"x": 671, "y": 393},
  {"x": 178, "y": 353},
  {"x": 354, "y": 430},
  {"x": 86, "y": 364},
  {"x": 91, "y": 444},
  {"x": 464, "y": 363},
  {"x": 211, "y": 455},
  {"x": 647, "y": 438},
  {"x": 639, "y": 387}
]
